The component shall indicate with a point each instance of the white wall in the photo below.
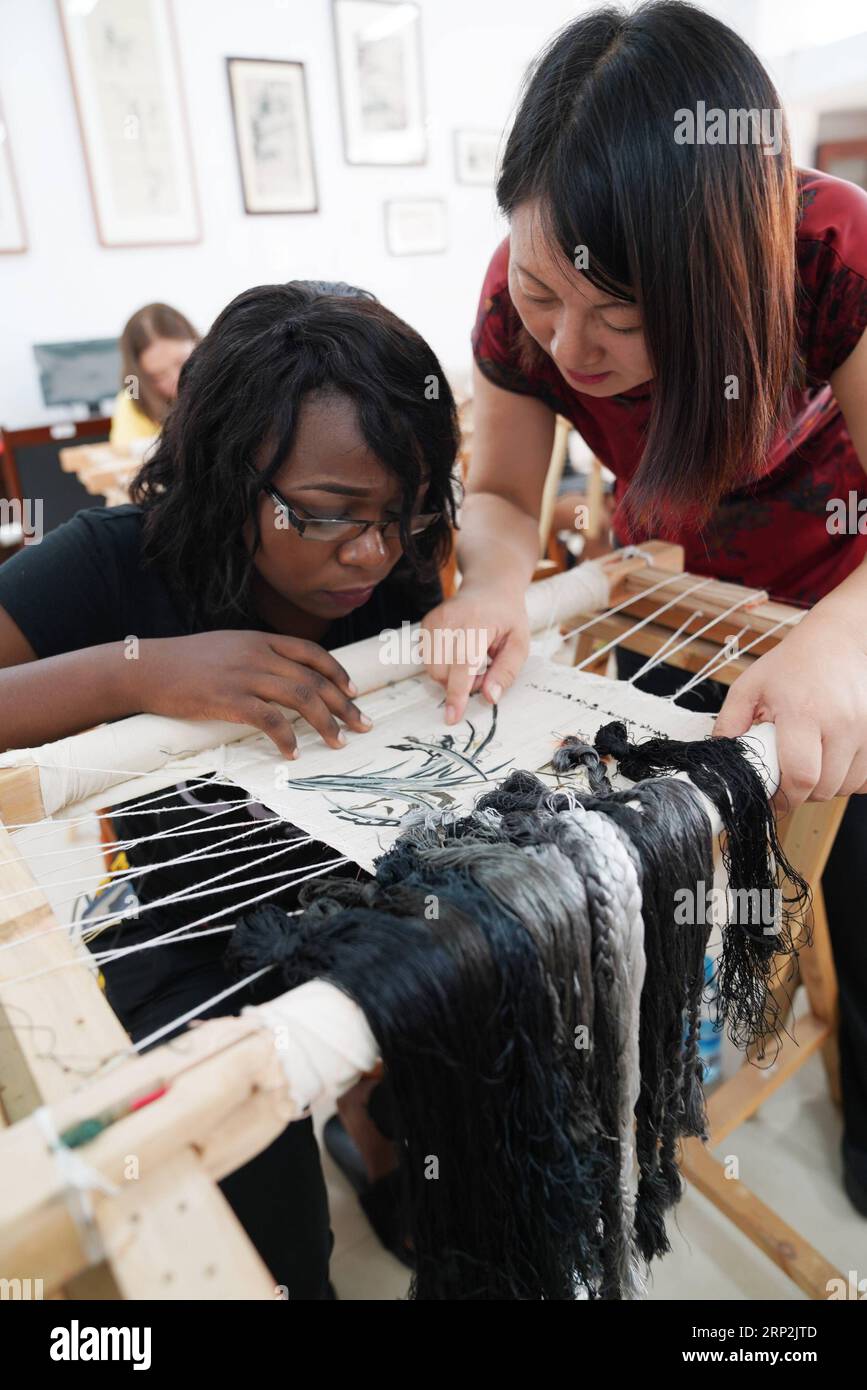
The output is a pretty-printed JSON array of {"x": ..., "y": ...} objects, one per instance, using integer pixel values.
[
  {"x": 67, "y": 286},
  {"x": 474, "y": 51}
]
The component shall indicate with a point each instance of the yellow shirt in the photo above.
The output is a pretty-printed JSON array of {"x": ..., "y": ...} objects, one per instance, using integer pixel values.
[{"x": 129, "y": 422}]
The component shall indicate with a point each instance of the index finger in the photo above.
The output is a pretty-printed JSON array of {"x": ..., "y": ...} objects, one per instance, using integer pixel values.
[
  {"x": 458, "y": 687},
  {"x": 312, "y": 655}
]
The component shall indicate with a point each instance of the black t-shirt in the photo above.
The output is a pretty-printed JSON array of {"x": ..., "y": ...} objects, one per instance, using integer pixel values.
[{"x": 86, "y": 583}]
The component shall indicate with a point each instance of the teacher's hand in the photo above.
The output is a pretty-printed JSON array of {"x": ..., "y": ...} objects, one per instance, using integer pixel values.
[
  {"x": 475, "y": 622},
  {"x": 813, "y": 687}
]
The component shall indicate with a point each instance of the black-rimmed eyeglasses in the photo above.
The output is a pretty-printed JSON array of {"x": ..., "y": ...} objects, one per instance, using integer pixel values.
[{"x": 339, "y": 529}]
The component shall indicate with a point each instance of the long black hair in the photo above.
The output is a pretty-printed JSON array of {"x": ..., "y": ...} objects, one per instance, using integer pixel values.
[
  {"x": 241, "y": 391},
  {"x": 700, "y": 236}
]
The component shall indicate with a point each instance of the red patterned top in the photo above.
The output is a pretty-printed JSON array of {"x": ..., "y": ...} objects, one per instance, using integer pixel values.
[{"x": 772, "y": 534}]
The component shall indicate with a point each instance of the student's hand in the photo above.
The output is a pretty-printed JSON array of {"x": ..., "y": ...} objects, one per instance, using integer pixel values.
[
  {"x": 244, "y": 677},
  {"x": 813, "y": 687},
  {"x": 491, "y": 620}
]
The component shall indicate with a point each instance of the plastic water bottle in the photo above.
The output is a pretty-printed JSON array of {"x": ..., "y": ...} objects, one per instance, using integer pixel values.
[{"x": 709, "y": 1037}]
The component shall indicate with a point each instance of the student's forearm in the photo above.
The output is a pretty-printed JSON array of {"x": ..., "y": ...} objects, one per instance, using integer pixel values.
[
  {"x": 45, "y": 700},
  {"x": 498, "y": 545}
]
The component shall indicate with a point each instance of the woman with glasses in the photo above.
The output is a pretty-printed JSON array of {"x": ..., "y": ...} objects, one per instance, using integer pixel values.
[{"x": 299, "y": 499}]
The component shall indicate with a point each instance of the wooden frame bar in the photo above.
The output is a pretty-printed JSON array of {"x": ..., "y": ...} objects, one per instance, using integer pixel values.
[{"x": 169, "y": 1233}]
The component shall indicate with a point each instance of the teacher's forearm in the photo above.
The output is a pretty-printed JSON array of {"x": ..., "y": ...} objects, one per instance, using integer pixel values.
[{"x": 498, "y": 544}]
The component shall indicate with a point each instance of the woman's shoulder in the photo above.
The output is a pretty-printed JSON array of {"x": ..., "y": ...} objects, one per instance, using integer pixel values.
[
  {"x": 495, "y": 315},
  {"x": 497, "y": 274},
  {"x": 117, "y": 535},
  {"x": 833, "y": 216},
  {"x": 831, "y": 248},
  {"x": 85, "y": 583},
  {"x": 128, "y": 422},
  {"x": 97, "y": 544},
  {"x": 117, "y": 528},
  {"x": 94, "y": 533}
]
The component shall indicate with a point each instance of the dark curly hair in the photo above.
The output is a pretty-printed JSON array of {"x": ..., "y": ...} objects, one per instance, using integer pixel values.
[{"x": 241, "y": 391}]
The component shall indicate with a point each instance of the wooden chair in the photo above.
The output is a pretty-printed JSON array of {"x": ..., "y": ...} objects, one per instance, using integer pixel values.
[
  {"x": 553, "y": 478},
  {"x": 30, "y": 467}
]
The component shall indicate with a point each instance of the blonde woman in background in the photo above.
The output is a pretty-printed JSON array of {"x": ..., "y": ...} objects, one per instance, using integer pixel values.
[{"x": 154, "y": 345}]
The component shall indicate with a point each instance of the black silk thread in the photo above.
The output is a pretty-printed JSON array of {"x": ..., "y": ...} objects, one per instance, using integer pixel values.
[
  {"x": 479, "y": 955},
  {"x": 753, "y": 858}
]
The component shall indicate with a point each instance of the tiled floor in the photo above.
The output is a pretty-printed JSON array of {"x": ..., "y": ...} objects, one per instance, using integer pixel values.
[{"x": 788, "y": 1155}]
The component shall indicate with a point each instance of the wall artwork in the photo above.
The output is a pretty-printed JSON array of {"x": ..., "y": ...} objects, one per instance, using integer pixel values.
[
  {"x": 125, "y": 77},
  {"x": 12, "y": 234},
  {"x": 415, "y": 226},
  {"x": 845, "y": 159},
  {"x": 476, "y": 154},
  {"x": 272, "y": 131},
  {"x": 380, "y": 74}
]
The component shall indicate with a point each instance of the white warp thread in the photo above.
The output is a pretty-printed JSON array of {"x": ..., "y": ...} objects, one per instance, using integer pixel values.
[
  {"x": 85, "y": 764},
  {"x": 322, "y": 1039},
  {"x": 79, "y": 1181}
]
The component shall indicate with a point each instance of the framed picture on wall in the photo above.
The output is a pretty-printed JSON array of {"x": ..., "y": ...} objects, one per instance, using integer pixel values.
[
  {"x": 12, "y": 234},
  {"x": 415, "y": 226},
  {"x": 380, "y": 76},
  {"x": 126, "y": 82},
  {"x": 845, "y": 159},
  {"x": 272, "y": 131},
  {"x": 476, "y": 156}
]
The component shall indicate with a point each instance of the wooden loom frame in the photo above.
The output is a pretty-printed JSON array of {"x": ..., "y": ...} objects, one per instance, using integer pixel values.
[{"x": 171, "y": 1233}]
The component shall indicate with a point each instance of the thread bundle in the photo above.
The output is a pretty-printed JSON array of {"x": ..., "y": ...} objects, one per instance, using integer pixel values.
[{"x": 537, "y": 1007}]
